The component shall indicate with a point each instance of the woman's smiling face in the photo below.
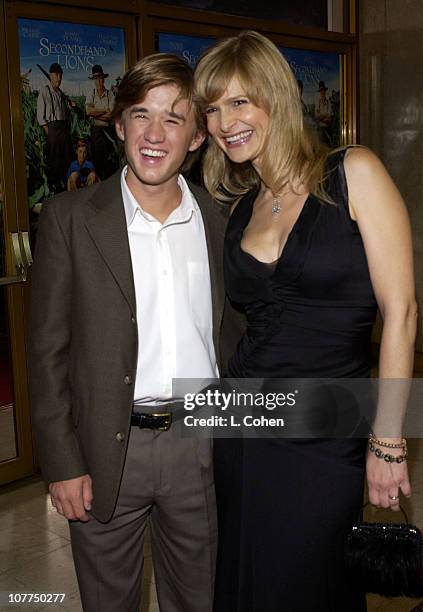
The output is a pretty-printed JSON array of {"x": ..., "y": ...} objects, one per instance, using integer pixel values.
[{"x": 238, "y": 126}]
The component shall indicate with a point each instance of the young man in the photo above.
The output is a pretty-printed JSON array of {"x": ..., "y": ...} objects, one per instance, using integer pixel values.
[{"x": 127, "y": 294}]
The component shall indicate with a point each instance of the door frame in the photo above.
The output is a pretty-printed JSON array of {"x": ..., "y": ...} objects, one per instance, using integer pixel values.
[
  {"x": 16, "y": 295},
  {"x": 13, "y": 175}
]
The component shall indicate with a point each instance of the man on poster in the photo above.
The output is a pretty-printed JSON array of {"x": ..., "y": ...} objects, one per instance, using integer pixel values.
[
  {"x": 323, "y": 113},
  {"x": 128, "y": 295},
  {"x": 53, "y": 117},
  {"x": 99, "y": 107}
]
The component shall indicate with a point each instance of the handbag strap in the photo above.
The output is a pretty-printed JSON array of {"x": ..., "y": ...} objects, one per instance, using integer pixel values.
[{"x": 401, "y": 508}]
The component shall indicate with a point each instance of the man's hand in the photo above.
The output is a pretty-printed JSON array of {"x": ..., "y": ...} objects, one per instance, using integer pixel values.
[{"x": 72, "y": 498}]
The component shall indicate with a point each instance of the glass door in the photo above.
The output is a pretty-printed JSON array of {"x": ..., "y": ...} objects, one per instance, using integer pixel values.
[
  {"x": 16, "y": 447},
  {"x": 71, "y": 58},
  {"x": 8, "y": 442}
]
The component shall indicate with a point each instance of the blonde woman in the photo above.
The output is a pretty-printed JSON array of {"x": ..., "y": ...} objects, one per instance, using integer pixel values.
[{"x": 315, "y": 243}]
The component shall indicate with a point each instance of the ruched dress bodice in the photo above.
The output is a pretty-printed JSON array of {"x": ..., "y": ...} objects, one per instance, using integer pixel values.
[{"x": 311, "y": 313}]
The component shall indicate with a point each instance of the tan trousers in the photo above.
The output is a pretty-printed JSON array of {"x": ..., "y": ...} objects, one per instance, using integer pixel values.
[{"x": 167, "y": 480}]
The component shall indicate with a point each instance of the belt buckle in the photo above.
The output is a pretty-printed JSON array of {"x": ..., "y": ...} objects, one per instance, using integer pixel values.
[{"x": 168, "y": 420}]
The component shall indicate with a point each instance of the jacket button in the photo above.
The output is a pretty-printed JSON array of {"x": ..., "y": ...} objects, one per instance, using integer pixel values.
[
  {"x": 127, "y": 380},
  {"x": 120, "y": 436},
  {"x": 133, "y": 320}
]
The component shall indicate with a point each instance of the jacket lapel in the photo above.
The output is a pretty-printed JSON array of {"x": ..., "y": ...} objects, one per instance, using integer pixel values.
[
  {"x": 214, "y": 226},
  {"x": 106, "y": 224}
]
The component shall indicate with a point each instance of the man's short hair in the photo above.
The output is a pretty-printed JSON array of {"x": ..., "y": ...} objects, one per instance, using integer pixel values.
[
  {"x": 153, "y": 71},
  {"x": 55, "y": 69}
]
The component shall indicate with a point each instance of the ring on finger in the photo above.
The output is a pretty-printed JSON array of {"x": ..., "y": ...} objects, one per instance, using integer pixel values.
[{"x": 394, "y": 498}]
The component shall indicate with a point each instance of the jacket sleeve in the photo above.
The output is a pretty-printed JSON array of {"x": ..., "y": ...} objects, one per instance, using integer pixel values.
[{"x": 49, "y": 351}]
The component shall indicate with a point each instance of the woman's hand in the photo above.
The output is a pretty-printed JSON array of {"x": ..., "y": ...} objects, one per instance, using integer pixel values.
[{"x": 386, "y": 480}]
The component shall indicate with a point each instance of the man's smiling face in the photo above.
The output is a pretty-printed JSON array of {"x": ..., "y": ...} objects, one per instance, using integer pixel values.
[{"x": 158, "y": 135}]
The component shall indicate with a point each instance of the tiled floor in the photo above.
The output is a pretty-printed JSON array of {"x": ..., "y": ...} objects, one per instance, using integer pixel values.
[{"x": 35, "y": 553}]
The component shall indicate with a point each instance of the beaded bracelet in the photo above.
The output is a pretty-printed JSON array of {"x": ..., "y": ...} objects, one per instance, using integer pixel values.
[
  {"x": 402, "y": 444},
  {"x": 386, "y": 456}
]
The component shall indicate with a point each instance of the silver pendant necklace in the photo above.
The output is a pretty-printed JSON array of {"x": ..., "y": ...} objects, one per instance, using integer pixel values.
[{"x": 276, "y": 206}]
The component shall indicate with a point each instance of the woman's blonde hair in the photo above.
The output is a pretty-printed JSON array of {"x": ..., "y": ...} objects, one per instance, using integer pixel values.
[{"x": 292, "y": 154}]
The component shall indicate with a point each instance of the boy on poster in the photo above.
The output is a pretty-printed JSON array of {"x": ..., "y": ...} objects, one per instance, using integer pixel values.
[{"x": 81, "y": 172}]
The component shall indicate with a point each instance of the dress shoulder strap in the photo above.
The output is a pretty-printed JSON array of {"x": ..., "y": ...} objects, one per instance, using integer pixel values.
[{"x": 335, "y": 180}]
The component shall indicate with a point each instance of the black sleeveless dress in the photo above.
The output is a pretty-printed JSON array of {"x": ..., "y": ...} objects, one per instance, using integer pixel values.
[{"x": 286, "y": 506}]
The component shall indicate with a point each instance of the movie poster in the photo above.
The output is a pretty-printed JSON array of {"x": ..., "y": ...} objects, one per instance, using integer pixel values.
[
  {"x": 319, "y": 80},
  {"x": 188, "y": 47},
  {"x": 318, "y": 74},
  {"x": 69, "y": 77}
]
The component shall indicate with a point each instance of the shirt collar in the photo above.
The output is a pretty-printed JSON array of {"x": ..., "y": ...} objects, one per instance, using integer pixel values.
[
  {"x": 182, "y": 213},
  {"x": 56, "y": 91}
]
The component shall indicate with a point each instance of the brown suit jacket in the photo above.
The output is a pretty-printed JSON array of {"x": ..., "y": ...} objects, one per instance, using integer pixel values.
[{"x": 83, "y": 338}]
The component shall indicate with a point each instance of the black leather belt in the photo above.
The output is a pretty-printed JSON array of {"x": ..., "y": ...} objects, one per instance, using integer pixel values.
[
  {"x": 156, "y": 420},
  {"x": 157, "y": 417}
]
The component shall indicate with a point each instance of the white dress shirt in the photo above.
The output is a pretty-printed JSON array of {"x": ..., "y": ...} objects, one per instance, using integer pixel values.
[
  {"x": 173, "y": 296},
  {"x": 51, "y": 105}
]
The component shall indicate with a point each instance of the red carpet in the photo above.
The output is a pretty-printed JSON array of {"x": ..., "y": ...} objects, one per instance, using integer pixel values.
[{"x": 6, "y": 388}]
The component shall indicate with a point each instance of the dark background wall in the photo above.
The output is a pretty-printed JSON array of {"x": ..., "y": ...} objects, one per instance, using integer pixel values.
[
  {"x": 307, "y": 12},
  {"x": 391, "y": 104}
]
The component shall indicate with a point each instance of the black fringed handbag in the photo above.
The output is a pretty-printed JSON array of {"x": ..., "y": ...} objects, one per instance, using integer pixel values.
[{"x": 386, "y": 558}]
